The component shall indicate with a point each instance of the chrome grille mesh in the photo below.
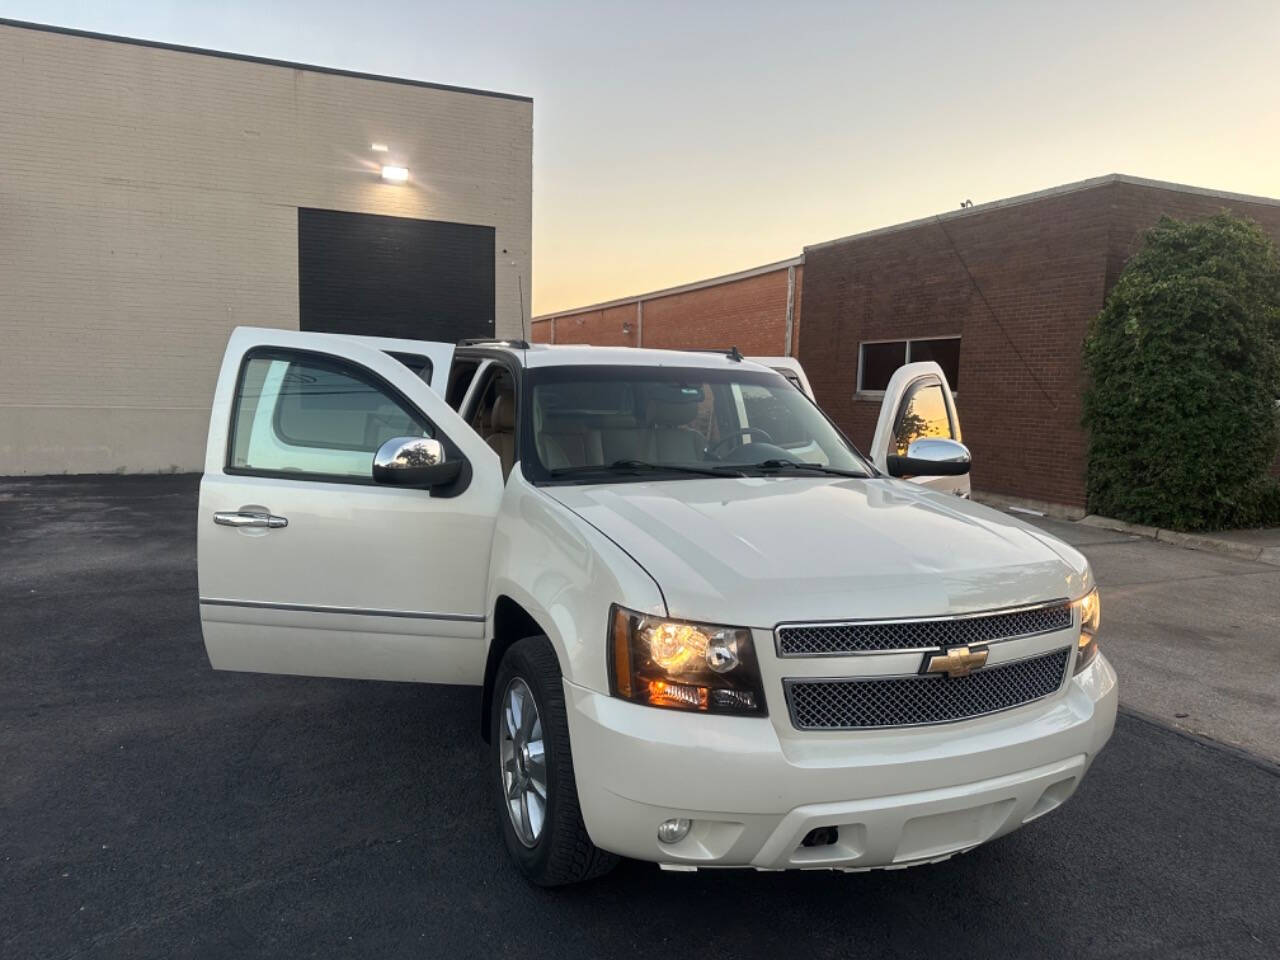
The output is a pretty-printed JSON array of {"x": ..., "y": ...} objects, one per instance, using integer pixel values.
[
  {"x": 836, "y": 639},
  {"x": 849, "y": 704}
]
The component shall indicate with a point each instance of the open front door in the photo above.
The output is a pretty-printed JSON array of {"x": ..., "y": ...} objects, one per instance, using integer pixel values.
[
  {"x": 308, "y": 566},
  {"x": 918, "y": 403},
  {"x": 429, "y": 359}
]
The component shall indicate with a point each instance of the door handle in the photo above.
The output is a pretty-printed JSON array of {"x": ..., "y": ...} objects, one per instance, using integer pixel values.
[{"x": 235, "y": 518}]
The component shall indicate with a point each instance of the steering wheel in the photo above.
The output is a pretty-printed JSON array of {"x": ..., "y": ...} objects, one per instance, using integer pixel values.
[{"x": 755, "y": 433}]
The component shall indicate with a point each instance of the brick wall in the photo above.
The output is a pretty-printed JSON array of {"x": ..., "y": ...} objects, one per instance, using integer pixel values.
[
  {"x": 148, "y": 205},
  {"x": 749, "y": 312},
  {"x": 615, "y": 326},
  {"x": 1044, "y": 265}
]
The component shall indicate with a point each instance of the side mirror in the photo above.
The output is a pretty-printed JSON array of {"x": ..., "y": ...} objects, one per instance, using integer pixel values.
[
  {"x": 930, "y": 457},
  {"x": 413, "y": 462}
]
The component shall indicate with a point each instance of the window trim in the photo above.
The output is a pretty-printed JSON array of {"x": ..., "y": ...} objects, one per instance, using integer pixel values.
[
  {"x": 271, "y": 352},
  {"x": 859, "y": 392}
]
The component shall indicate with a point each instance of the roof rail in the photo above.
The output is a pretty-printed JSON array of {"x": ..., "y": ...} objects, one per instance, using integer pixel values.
[
  {"x": 733, "y": 353},
  {"x": 504, "y": 341}
]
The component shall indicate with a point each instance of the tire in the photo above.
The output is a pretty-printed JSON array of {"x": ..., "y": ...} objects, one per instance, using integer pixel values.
[{"x": 559, "y": 851}]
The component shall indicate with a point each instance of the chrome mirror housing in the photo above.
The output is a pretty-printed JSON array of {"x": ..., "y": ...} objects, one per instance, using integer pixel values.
[
  {"x": 931, "y": 457},
  {"x": 413, "y": 462}
]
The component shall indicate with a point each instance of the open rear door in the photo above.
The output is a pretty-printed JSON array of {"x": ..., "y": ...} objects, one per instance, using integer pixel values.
[
  {"x": 917, "y": 403},
  {"x": 308, "y": 566},
  {"x": 790, "y": 368}
]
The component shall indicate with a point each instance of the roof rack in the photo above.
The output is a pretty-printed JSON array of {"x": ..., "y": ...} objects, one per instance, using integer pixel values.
[
  {"x": 732, "y": 353},
  {"x": 504, "y": 341}
]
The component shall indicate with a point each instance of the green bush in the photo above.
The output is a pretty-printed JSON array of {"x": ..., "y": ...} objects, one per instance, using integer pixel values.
[{"x": 1184, "y": 368}]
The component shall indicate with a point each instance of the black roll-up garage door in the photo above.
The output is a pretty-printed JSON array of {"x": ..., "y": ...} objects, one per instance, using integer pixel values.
[{"x": 394, "y": 276}]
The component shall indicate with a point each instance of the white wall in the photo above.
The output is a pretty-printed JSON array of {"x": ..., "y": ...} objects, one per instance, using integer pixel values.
[{"x": 148, "y": 204}]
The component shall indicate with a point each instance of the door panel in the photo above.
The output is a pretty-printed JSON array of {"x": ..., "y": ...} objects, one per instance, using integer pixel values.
[
  {"x": 918, "y": 403},
  {"x": 364, "y": 580}
]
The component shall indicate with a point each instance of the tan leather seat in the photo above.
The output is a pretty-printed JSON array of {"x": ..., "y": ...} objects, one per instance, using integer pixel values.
[
  {"x": 502, "y": 431},
  {"x": 567, "y": 442},
  {"x": 622, "y": 439},
  {"x": 670, "y": 441}
]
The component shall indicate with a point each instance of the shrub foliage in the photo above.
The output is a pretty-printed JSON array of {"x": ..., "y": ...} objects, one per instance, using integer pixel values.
[{"x": 1184, "y": 364}]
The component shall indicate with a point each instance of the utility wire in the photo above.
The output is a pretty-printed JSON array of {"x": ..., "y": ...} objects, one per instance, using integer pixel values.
[{"x": 1053, "y": 401}]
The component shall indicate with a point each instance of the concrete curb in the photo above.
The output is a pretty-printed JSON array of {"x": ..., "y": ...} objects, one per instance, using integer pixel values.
[{"x": 1189, "y": 541}]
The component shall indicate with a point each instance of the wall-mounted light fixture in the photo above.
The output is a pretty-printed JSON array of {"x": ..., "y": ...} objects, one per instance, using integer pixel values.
[
  {"x": 395, "y": 174},
  {"x": 378, "y": 147}
]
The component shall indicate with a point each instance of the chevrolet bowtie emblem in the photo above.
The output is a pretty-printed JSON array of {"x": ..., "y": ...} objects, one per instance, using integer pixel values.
[{"x": 956, "y": 662}]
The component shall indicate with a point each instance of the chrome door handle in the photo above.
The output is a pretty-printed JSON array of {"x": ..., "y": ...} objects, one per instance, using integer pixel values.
[{"x": 235, "y": 518}]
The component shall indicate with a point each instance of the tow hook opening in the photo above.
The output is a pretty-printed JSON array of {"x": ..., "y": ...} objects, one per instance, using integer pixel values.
[{"x": 821, "y": 837}]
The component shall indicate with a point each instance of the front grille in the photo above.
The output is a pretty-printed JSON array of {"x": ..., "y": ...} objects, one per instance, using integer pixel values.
[
  {"x": 870, "y": 636},
  {"x": 857, "y": 703}
]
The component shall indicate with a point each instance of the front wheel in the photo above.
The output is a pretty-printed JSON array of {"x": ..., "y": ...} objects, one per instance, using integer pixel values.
[{"x": 535, "y": 787}]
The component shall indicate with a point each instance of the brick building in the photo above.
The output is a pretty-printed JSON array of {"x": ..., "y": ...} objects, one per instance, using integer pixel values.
[
  {"x": 756, "y": 310},
  {"x": 153, "y": 197},
  {"x": 1017, "y": 281},
  {"x": 1000, "y": 294}
]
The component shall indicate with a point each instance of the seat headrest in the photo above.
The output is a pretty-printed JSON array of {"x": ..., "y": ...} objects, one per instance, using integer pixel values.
[
  {"x": 672, "y": 413},
  {"x": 503, "y": 415}
]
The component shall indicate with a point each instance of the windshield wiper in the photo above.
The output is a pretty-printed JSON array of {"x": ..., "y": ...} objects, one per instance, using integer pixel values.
[
  {"x": 644, "y": 466},
  {"x": 777, "y": 464}
]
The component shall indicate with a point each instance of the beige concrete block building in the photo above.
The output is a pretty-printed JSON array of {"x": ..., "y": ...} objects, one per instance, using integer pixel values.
[{"x": 154, "y": 197}]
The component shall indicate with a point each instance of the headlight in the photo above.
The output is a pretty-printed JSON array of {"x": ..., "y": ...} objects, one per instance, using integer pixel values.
[
  {"x": 1090, "y": 617},
  {"x": 683, "y": 665}
]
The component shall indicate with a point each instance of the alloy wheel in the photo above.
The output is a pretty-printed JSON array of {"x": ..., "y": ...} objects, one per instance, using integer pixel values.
[{"x": 523, "y": 760}]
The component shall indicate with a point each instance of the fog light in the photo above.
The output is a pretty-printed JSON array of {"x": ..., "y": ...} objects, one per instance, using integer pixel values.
[{"x": 673, "y": 831}]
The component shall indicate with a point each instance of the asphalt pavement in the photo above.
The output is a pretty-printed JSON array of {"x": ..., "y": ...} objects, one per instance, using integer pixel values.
[
  {"x": 151, "y": 807},
  {"x": 1195, "y": 636}
]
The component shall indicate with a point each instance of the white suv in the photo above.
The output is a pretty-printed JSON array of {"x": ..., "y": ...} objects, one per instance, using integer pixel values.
[{"x": 709, "y": 632}]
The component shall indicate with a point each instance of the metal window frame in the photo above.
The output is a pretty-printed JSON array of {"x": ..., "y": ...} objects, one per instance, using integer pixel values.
[{"x": 860, "y": 392}]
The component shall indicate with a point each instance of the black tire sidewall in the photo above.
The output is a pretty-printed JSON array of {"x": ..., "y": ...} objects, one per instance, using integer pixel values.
[{"x": 548, "y": 694}]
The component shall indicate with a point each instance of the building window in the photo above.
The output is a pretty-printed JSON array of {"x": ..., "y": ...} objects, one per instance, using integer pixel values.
[{"x": 878, "y": 360}]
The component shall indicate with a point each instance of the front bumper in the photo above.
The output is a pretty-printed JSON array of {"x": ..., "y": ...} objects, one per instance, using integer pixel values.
[{"x": 897, "y": 797}]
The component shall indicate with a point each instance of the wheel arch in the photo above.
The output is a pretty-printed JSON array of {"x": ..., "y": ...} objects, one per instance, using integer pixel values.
[{"x": 511, "y": 624}]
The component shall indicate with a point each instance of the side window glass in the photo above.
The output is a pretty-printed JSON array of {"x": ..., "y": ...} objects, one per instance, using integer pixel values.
[
  {"x": 923, "y": 413},
  {"x": 460, "y": 377},
  {"x": 316, "y": 416}
]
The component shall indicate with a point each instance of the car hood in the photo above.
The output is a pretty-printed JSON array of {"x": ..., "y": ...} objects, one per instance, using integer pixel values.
[{"x": 757, "y": 551}]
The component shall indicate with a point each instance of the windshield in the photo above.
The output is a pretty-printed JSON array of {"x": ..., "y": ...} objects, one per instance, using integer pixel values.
[{"x": 611, "y": 423}]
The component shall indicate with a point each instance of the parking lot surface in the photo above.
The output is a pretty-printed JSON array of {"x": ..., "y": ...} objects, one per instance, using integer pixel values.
[
  {"x": 154, "y": 808},
  {"x": 1194, "y": 636}
]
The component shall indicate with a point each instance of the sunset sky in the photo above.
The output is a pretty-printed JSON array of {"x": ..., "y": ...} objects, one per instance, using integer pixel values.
[{"x": 675, "y": 141}]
